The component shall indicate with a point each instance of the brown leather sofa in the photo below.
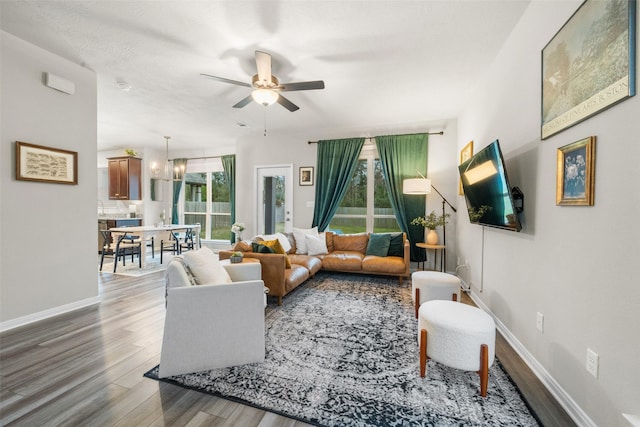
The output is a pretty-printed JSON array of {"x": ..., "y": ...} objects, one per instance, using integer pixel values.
[{"x": 346, "y": 253}]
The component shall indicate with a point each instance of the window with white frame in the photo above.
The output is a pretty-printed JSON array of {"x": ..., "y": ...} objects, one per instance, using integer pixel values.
[
  {"x": 366, "y": 206},
  {"x": 206, "y": 198}
]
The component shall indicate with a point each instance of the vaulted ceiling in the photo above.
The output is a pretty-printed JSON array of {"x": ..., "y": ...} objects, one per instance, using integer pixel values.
[{"x": 384, "y": 63}]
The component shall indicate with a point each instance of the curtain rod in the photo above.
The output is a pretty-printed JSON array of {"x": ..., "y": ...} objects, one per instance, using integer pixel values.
[{"x": 419, "y": 133}]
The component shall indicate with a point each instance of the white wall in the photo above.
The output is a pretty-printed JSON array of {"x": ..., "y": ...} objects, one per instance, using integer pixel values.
[
  {"x": 48, "y": 236},
  {"x": 576, "y": 265}
]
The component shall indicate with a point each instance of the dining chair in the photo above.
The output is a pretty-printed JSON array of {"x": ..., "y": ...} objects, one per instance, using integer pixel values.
[
  {"x": 170, "y": 244},
  {"x": 119, "y": 245},
  {"x": 187, "y": 241}
]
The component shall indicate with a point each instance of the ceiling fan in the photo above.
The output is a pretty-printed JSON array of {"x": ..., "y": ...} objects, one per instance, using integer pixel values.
[{"x": 267, "y": 87}]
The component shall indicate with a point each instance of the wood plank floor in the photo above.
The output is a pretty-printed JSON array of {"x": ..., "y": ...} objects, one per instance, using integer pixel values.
[{"x": 85, "y": 369}]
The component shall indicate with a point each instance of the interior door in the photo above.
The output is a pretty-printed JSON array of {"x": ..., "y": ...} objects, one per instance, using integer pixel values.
[{"x": 274, "y": 199}]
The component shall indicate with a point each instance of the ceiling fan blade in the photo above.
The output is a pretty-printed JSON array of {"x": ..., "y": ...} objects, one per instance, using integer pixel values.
[
  {"x": 243, "y": 102},
  {"x": 222, "y": 79},
  {"x": 263, "y": 64},
  {"x": 287, "y": 104},
  {"x": 288, "y": 87}
]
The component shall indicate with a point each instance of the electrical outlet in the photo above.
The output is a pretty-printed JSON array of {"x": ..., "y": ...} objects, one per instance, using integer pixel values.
[
  {"x": 592, "y": 362},
  {"x": 540, "y": 322}
]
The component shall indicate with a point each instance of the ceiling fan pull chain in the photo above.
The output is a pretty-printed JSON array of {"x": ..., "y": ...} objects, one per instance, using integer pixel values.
[{"x": 265, "y": 120}]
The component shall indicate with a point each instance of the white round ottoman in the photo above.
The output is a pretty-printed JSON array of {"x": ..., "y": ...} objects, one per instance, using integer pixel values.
[
  {"x": 457, "y": 335},
  {"x": 433, "y": 285}
]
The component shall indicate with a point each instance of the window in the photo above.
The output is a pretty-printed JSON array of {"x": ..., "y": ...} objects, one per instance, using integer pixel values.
[
  {"x": 366, "y": 206},
  {"x": 207, "y": 200}
]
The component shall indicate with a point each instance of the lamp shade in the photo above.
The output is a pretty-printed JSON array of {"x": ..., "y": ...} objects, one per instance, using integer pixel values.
[
  {"x": 416, "y": 186},
  {"x": 265, "y": 96}
]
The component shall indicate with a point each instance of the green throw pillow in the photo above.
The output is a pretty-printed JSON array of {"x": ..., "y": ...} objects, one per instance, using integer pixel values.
[
  {"x": 378, "y": 244},
  {"x": 257, "y": 247},
  {"x": 395, "y": 246}
]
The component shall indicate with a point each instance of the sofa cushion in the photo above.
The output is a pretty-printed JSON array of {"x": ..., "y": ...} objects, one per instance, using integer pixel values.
[
  {"x": 328, "y": 238},
  {"x": 316, "y": 245},
  {"x": 386, "y": 264},
  {"x": 351, "y": 242},
  {"x": 311, "y": 263},
  {"x": 299, "y": 233},
  {"x": 292, "y": 242},
  {"x": 396, "y": 245},
  {"x": 294, "y": 276},
  {"x": 205, "y": 267},
  {"x": 378, "y": 244},
  {"x": 343, "y": 261},
  {"x": 278, "y": 249}
]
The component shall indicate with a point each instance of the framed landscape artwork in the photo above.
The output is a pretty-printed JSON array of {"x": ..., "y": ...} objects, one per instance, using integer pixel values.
[
  {"x": 589, "y": 65},
  {"x": 465, "y": 154},
  {"x": 46, "y": 164},
  {"x": 575, "y": 173}
]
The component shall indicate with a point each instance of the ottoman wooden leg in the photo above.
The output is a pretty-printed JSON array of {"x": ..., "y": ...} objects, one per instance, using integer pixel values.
[
  {"x": 423, "y": 352},
  {"x": 417, "y": 301},
  {"x": 454, "y": 297},
  {"x": 484, "y": 369}
]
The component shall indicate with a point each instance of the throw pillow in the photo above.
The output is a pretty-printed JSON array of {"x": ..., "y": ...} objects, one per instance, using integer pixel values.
[
  {"x": 281, "y": 237},
  {"x": 278, "y": 249},
  {"x": 316, "y": 245},
  {"x": 396, "y": 247},
  {"x": 205, "y": 267},
  {"x": 378, "y": 244},
  {"x": 299, "y": 233},
  {"x": 262, "y": 249}
]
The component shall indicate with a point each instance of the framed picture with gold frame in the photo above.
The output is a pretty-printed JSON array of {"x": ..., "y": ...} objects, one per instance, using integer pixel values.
[
  {"x": 575, "y": 173},
  {"x": 465, "y": 154},
  {"x": 46, "y": 164}
]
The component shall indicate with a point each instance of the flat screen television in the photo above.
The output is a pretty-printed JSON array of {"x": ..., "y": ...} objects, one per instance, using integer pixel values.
[{"x": 487, "y": 190}]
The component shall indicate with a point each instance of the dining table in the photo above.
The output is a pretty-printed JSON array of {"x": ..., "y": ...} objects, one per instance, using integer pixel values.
[{"x": 147, "y": 231}]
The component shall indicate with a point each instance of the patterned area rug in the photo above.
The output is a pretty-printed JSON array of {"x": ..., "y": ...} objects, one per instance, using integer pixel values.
[{"x": 342, "y": 351}]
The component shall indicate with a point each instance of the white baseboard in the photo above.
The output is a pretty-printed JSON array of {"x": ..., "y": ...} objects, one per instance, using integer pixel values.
[
  {"x": 573, "y": 410},
  {"x": 42, "y": 315}
]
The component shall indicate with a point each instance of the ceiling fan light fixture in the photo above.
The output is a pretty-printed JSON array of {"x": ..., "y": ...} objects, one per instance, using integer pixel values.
[{"x": 265, "y": 97}]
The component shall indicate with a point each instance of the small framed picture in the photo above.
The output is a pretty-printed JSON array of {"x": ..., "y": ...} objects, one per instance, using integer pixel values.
[
  {"x": 306, "y": 175},
  {"x": 465, "y": 154},
  {"x": 46, "y": 164},
  {"x": 575, "y": 173}
]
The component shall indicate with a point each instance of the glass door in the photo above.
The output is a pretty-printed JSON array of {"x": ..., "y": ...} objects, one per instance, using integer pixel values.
[{"x": 274, "y": 199}]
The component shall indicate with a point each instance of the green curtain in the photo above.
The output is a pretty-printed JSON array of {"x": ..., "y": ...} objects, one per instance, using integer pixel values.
[
  {"x": 178, "y": 164},
  {"x": 337, "y": 160},
  {"x": 401, "y": 156},
  {"x": 229, "y": 165}
]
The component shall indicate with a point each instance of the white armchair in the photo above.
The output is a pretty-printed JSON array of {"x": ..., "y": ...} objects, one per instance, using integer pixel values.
[{"x": 210, "y": 325}]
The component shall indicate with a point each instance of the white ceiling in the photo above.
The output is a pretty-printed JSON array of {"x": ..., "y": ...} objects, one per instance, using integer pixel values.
[{"x": 384, "y": 63}]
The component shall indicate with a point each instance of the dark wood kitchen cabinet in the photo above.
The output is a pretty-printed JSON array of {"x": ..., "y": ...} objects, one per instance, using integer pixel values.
[{"x": 125, "y": 178}]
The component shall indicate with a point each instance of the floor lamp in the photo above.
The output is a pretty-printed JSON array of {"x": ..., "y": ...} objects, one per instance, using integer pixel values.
[{"x": 422, "y": 186}]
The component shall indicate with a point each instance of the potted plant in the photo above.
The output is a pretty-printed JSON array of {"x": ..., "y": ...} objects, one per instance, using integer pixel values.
[
  {"x": 236, "y": 229},
  {"x": 430, "y": 222},
  {"x": 236, "y": 257}
]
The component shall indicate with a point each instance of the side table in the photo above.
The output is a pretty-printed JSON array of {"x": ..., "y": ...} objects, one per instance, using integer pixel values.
[{"x": 436, "y": 249}]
